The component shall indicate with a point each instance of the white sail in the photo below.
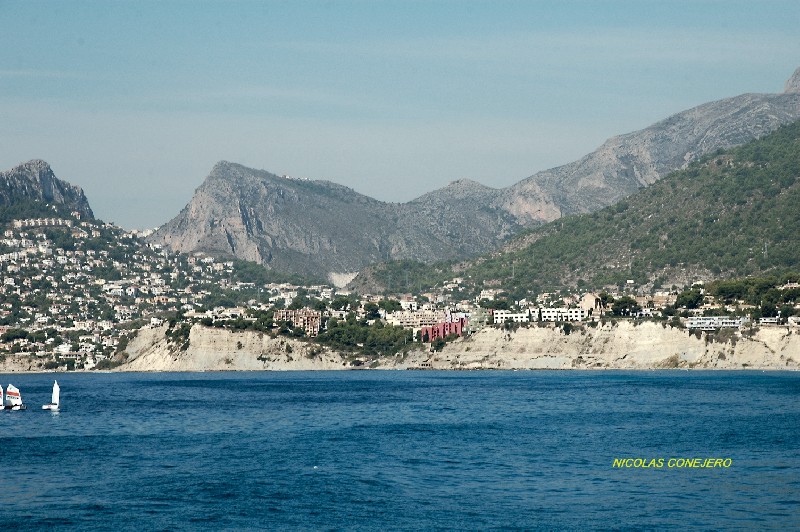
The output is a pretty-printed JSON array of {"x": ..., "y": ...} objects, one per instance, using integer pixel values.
[
  {"x": 2, "y": 399},
  {"x": 13, "y": 397},
  {"x": 53, "y": 404}
]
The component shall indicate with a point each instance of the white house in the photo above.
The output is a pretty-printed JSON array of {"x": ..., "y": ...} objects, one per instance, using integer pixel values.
[{"x": 501, "y": 316}]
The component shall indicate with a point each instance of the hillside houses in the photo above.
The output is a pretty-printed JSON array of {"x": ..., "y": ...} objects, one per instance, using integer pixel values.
[{"x": 77, "y": 291}]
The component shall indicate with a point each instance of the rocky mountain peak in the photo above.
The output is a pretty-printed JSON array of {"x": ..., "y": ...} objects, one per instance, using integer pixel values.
[
  {"x": 467, "y": 184},
  {"x": 36, "y": 165},
  {"x": 793, "y": 83},
  {"x": 35, "y": 181},
  {"x": 221, "y": 166}
]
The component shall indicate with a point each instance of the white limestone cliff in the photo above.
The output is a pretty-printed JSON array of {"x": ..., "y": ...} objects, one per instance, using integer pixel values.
[{"x": 615, "y": 345}]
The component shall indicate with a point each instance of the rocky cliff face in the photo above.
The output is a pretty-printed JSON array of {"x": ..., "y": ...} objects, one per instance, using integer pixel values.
[
  {"x": 622, "y": 345},
  {"x": 318, "y": 227},
  {"x": 625, "y": 163},
  {"x": 35, "y": 181},
  {"x": 322, "y": 228},
  {"x": 793, "y": 84}
]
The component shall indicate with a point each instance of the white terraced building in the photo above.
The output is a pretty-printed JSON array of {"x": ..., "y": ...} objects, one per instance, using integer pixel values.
[
  {"x": 415, "y": 320},
  {"x": 563, "y": 314},
  {"x": 501, "y": 316},
  {"x": 545, "y": 314},
  {"x": 711, "y": 323}
]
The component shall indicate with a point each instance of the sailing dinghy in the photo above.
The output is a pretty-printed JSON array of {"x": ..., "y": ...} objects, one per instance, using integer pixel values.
[
  {"x": 54, "y": 400},
  {"x": 13, "y": 400}
]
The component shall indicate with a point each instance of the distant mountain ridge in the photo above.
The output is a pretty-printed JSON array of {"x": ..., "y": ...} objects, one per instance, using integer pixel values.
[
  {"x": 34, "y": 181},
  {"x": 625, "y": 163},
  {"x": 733, "y": 214},
  {"x": 316, "y": 227}
]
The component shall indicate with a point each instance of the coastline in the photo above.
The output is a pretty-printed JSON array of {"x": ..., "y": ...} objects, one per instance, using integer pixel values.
[{"x": 613, "y": 345}]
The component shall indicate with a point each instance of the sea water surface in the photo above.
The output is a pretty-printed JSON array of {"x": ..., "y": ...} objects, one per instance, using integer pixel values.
[{"x": 401, "y": 450}]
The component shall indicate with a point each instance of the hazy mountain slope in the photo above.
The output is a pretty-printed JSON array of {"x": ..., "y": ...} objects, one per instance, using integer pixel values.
[
  {"x": 732, "y": 214},
  {"x": 34, "y": 183},
  {"x": 460, "y": 216},
  {"x": 625, "y": 163},
  {"x": 319, "y": 228}
]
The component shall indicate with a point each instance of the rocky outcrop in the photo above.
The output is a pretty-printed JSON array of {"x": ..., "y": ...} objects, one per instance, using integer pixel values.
[
  {"x": 324, "y": 229},
  {"x": 793, "y": 84},
  {"x": 621, "y": 345},
  {"x": 213, "y": 349},
  {"x": 628, "y": 162},
  {"x": 21, "y": 363},
  {"x": 321, "y": 228},
  {"x": 35, "y": 181}
]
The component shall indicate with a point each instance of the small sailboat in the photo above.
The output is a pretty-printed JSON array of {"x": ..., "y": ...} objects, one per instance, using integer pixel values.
[
  {"x": 13, "y": 399},
  {"x": 54, "y": 400}
]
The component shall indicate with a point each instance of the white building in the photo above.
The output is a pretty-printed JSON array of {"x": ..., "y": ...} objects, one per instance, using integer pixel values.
[
  {"x": 502, "y": 316},
  {"x": 415, "y": 320},
  {"x": 563, "y": 314},
  {"x": 711, "y": 323}
]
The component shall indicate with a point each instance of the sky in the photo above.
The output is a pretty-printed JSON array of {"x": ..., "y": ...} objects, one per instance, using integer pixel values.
[{"x": 135, "y": 101}]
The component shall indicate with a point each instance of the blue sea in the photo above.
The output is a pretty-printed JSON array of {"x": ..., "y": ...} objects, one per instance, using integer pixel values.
[{"x": 413, "y": 450}]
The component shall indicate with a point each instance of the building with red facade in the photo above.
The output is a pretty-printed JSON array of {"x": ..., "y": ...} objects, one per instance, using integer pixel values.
[{"x": 439, "y": 330}]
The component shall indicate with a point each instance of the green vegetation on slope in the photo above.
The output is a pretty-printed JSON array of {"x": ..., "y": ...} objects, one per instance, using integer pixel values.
[
  {"x": 251, "y": 272},
  {"x": 401, "y": 276},
  {"x": 757, "y": 291},
  {"x": 731, "y": 214}
]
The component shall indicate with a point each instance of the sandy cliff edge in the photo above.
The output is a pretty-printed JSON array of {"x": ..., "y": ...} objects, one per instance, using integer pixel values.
[{"x": 615, "y": 345}]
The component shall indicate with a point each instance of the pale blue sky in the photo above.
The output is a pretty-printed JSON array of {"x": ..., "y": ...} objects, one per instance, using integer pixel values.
[{"x": 136, "y": 101}]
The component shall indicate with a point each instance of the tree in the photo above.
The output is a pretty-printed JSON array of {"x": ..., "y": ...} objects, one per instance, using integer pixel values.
[
  {"x": 606, "y": 299},
  {"x": 768, "y": 311},
  {"x": 625, "y": 306},
  {"x": 297, "y": 303},
  {"x": 342, "y": 303},
  {"x": 689, "y": 299},
  {"x": 496, "y": 304},
  {"x": 390, "y": 305},
  {"x": 14, "y": 334},
  {"x": 372, "y": 311}
]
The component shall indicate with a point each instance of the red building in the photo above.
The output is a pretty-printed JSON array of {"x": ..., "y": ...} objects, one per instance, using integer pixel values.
[{"x": 440, "y": 330}]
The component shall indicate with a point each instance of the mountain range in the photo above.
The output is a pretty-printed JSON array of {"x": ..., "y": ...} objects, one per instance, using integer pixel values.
[
  {"x": 319, "y": 227},
  {"x": 324, "y": 229},
  {"x": 732, "y": 214}
]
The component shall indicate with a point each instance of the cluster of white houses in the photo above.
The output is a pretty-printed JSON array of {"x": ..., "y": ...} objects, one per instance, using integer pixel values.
[{"x": 43, "y": 222}]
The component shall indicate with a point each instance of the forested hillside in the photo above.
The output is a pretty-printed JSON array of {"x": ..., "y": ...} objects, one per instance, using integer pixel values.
[{"x": 732, "y": 214}]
